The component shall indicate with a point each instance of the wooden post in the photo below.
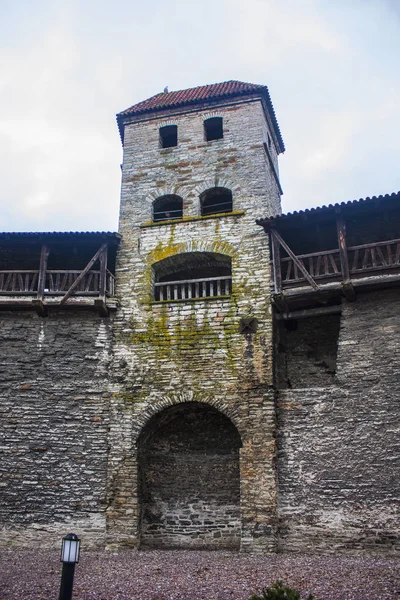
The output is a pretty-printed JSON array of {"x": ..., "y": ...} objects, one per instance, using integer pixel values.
[
  {"x": 42, "y": 272},
  {"x": 276, "y": 262},
  {"x": 101, "y": 306},
  {"x": 341, "y": 233},
  {"x": 103, "y": 273},
  {"x": 100, "y": 302},
  {"x": 296, "y": 261},
  {"x": 347, "y": 286},
  {"x": 82, "y": 274}
]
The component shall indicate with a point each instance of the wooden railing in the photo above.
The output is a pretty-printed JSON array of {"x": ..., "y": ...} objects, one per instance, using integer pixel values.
[
  {"x": 363, "y": 259},
  {"x": 380, "y": 255},
  {"x": 56, "y": 282},
  {"x": 318, "y": 264},
  {"x": 193, "y": 288}
]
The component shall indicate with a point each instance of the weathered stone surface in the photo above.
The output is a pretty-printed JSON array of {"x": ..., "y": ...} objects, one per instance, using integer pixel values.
[
  {"x": 306, "y": 351},
  {"x": 189, "y": 478},
  {"x": 54, "y": 423},
  {"x": 158, "y": 425},
  {"x": 168, "y": 353},
  {"x": 339, "y": 445}
]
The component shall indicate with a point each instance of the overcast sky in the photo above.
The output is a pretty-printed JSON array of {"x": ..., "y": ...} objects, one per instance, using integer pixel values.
[{"x": 67, "y": 66}]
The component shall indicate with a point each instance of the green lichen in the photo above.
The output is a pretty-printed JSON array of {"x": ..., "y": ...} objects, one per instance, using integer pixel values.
[
  {"x": 187, "y": 218},
  {"x": 129, "y": 397},
  {"x": 177, "y": 343},
  {"x": 181, "y": 337}
]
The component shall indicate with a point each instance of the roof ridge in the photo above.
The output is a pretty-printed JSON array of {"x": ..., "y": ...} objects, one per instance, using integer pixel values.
[
  {"x": 208, "y": 85},
  {"x": 166, "y": 101},
  {"x": 246, "y": 84}
]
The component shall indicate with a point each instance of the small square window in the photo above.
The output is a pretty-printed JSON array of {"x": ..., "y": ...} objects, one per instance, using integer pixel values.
[
  {"x": 168, "y": 136},
  {"x": 213, "y": 129}
]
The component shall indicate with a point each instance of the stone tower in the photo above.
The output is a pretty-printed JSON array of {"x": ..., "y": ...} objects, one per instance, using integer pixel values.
[{"x": 192, "y": 448}]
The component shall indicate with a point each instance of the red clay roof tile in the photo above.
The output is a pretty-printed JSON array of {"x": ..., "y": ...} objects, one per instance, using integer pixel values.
[{"x": 203, "y": 93}]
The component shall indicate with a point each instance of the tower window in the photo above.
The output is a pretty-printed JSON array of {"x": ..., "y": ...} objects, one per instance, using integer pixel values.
[
  {"x": 213, "y": 129},
  {"x": 167, "y": 207},
  {"x": 168, "y": 136},
  {"x": 216, "y": 200},
  {"x": 192, "y": 275}
]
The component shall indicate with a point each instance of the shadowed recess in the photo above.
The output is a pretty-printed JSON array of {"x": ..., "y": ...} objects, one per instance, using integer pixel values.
[{"x": 189, "y": 479}]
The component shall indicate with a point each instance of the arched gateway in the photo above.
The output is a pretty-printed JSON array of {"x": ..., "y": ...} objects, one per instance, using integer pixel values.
[{"x": 189, "y": 481}]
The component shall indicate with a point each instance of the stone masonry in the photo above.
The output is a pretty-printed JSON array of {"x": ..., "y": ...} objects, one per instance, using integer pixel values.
[
  {"x": 54, "y": 426},
  {"x": 181, "y": 352},
  {"x": 338, "y": 449},
  {"x": 170, "y": 424}
]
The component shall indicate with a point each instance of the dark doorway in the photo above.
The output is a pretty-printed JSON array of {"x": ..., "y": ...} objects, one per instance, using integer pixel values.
[{"x": 189, "y": 479}]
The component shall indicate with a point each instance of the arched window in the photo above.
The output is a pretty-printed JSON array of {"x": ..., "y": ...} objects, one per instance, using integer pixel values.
[
  {"x": 167, "y": 207},
  {"x": 213, "y": 129},
  {"x": 192, "y": 275},
  {"x": 216, "y": 200}
]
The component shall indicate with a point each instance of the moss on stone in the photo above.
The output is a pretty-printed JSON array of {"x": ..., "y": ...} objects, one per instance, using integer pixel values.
[
  {"x": 129, "y": 397},
  {"x": 188, "y": 218}
]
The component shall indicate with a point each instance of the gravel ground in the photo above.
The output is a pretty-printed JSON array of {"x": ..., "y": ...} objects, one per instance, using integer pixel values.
[{"x": 183, "y": 575}]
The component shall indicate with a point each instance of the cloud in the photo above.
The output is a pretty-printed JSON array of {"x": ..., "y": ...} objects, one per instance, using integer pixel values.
[{"x": 66, "y": 68}]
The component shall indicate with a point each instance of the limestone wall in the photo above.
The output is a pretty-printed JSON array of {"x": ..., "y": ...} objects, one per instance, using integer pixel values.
[
  {"x": 173, "y": 352},
  {"x": 306, "y": 351},
  {"x": 338, "y": 460},
  {"x": 54, "y": 424},
  {"x": 190, "y": 483}
]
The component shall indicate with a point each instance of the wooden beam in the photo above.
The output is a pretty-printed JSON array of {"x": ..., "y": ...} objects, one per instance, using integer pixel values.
[
  {"x": 344, "y": 258},
  {"x": 294, "y": 258},
  {"x": 310, "y": 312},
  {"x": 348, "y": 291},
  {"x": 280, "y": 302},
  {"x": 40, "y": 307},
  {"x": 101, "y": 307},
  {"x": 276, "y": 263},
  {"x": 83, "y": 273},
  {"x": 42, "y": 272},
  {"x": 103, "y": 273}
]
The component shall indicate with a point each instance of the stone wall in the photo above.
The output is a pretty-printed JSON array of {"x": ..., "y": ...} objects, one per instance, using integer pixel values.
[
  {"x": 189, "y": 479},
  {"x": 339, "y": 445},
  {"x": 54, "y": 425},
  {"x": 306, "y": 351},
  {"x": 157, "y": 426},
  {"x": 167, "y": 353}
]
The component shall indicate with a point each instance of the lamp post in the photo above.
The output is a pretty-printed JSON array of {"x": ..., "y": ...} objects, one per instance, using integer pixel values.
[{"x": 69, "y": 557}]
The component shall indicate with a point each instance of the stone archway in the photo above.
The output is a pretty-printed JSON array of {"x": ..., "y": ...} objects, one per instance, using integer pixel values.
[{"x": 189, "y": 481}]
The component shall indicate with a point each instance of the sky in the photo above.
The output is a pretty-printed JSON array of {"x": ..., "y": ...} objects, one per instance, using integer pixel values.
[{"x": 68, "y": 66}]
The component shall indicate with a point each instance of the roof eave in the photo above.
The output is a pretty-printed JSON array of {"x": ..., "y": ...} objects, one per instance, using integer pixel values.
[
  {"x": 297, "y": 214},
  {"x": 262, "y": 93}
]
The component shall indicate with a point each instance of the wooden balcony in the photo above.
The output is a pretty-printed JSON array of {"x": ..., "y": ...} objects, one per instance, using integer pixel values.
[
  {"x": 364, "y": 261},
  {"x": 193, "y": 289},
  {"x": 57, "y": 283},
  {"x": 85, "y": 286},
  {"x": 315, "y": 279}
]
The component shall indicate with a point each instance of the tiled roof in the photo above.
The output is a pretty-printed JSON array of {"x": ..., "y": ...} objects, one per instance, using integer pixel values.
[
  {"x": 329, "y": 207},
  {"x": 199, "y": 94},
  {"x": 204, "y": 92},
  {"x": 60, "y": 233}
]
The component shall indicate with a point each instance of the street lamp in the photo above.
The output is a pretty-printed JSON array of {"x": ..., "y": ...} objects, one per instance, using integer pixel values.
[{"x": 69, "y": 557}]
